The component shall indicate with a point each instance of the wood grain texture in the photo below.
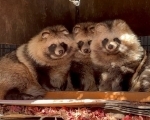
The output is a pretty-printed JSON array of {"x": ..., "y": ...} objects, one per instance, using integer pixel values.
[
  {"x": 22, "y": 19},
  {"x": 135, "y": 12},
  {"x": 129, "y": 96},
  {"x": 60, "y": 12}
]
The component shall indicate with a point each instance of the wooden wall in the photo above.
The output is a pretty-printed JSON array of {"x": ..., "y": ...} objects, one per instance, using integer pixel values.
[
  {"x": 135, "y": 12},
  {"x": 22, "y": 19}
]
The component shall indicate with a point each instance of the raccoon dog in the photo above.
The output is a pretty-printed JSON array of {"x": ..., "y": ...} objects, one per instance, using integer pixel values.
[
  {"x": 116, "y": 52},
  {"x": 141, "y": 83},
  {"x": 53, "y": 57},
  {"x": 81, "y": 72},
  {"x": 44, "y": 57}
]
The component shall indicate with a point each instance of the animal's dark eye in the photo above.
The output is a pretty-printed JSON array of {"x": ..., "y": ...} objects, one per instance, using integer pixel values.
[
  {"x": 105, "y": 41},
  {"x": 64, "y": 45},
  {"x": 53, "y": 45},
  {"x": 89, "y": 42},
  {"x": 80, "y": 44},
  {"x": 92, "y": 27},
  {"x": 117, "y": 40}
]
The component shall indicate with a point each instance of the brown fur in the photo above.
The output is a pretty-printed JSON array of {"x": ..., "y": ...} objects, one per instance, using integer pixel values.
[
  {"x": 54, "y": 68},
  {"x": 15, "y": 74},
  {"x": 81, "y": 71},
  {"x": 113, "y": 65},
  {"x": 23, "y": 69},
  {"x": 141, "y": 83}
]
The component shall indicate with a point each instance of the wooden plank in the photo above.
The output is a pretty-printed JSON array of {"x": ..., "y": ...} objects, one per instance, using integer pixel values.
[
  {"x": 129, "y": 96},
  {"x": 136, "y": 108},
  {"x": 135, "y": 12},
  {"x": 60, "y": 12},
  {"x": 22, "y": 19}
]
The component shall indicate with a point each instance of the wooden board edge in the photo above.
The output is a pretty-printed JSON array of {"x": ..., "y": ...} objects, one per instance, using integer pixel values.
[{"x": 128, "y": 96}]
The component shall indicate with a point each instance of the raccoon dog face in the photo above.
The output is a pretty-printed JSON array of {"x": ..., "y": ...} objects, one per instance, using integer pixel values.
[
  {"x": 57, "y": 50},
  {"x": 111, "y": 45},
  {"x": 83, "y": 33},
  {"x": 57, "y": 42},
  {"x": 114, "y": 37},
  {"x": 51, "y": 44}
]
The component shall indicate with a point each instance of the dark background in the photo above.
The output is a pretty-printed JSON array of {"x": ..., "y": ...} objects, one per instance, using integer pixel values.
[{"x": 22, "y": 19}]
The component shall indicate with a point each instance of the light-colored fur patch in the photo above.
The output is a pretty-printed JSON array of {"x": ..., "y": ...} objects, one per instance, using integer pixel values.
[
  {"x": 58, "y": 66},
  {"x": 84, "y": 32},
  {"x": 129, "y": 53}
]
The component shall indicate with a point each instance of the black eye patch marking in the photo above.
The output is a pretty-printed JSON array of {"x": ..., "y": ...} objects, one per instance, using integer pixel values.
[
  {"x": 80, "y": 44},
  {"x": 64, "y": 45},
  {"x": 89, "y": 42},
  {"x": 117, "y": 40},
  {"x": 52, "y": 47},
  {"x": 104, "y": 42}
]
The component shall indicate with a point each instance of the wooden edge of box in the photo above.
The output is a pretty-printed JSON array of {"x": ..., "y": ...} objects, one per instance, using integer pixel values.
[
  {"x": 80, "y": 98},
  {"x": 23, "y": 116},
  {"x": 128, "y": 96}
]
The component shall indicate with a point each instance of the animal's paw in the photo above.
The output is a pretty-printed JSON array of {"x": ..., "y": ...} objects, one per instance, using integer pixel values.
[
  {"x": 39, "y": 97},
  {"x": 30, "y": 97},
  {"x": 113, "y": 64},
  {"x": 54, "y": 89},
  {"x": 123, "y": 69},
  {"x": 21, "y": 96},
  {"x": 27, "y": 96},
  {"x": 126, "y": 69}
]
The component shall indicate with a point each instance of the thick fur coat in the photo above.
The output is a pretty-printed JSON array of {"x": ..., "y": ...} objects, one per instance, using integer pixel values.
[
  {"x": 81, "y": 71},
  {"x": 53, "y": 57},
  {"x": 141, "y": 80},
  {"x": 43, "y": 61},
  {"x": 115, "y": 52}
]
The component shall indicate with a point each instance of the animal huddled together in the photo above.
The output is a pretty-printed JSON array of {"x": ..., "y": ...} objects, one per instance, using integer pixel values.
[{"x": 100, "y": 56}]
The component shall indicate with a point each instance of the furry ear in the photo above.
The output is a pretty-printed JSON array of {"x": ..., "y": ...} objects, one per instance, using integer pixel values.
[
  {"x": 63, "y": 30},
  {"x": 120, "y": 23},
  {"x": 45, "y": 35},
  {"x": 76, "y": 29},
  {"x": 66, "y": 32},
  {"x": 100, "y": 27},
  {"x": 91, "y": 28}
]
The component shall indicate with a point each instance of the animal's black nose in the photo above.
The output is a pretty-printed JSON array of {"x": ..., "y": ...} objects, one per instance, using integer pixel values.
[
  {"x": 110, "y": 46},
  {"x": 61, "y": 52},
  {"x": 86, "y": 51}
]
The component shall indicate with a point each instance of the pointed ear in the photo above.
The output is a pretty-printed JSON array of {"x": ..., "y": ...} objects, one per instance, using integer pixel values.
[
  {"x": 100, "y": 27},
  {"x": 120, "y": 23},
  {"x": 76, "y": 29},
  {"x": 91, "y": 28},
  {"x": 66, "y": 32},
  {"x": 63, "y": 30},
  {"x": 45, "y": 35}
]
